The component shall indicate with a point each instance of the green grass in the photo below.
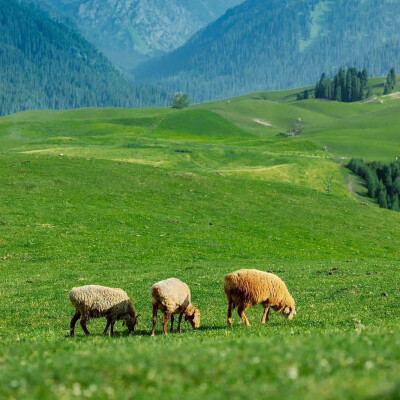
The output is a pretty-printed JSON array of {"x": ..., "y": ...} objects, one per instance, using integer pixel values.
[
  {"x": 142, "y": 195},
  {"x": 364, "y": 129}
]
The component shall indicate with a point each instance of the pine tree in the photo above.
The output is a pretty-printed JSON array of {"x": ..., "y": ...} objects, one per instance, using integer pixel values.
[
  {"x": 372, "y": 183},
  {"x": 364, "y": 79},
  {"x": 386, "y": 89},
  {"x": 347, "y": 86},
  {"x": 393, "y": 76},
  {"x": 382, "y": 196},
  {"x": 338, "y": 94},
  {"x": 395, "y": 204},
  {"x": 390, "y": 82}
]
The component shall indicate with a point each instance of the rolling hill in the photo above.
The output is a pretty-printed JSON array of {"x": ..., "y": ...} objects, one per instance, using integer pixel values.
[
  {"x": 129, "y": 31},
  {"x": 45, "y": 65},
  {"x": 272, "y": 45},
  {"x": 125, "y": 198}
]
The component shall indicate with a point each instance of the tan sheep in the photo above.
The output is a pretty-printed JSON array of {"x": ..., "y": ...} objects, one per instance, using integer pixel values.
[
  {"x": 94, "y": 301},
  {"x": 249, "y": 287},
  {"x": 172, "y": 297}
]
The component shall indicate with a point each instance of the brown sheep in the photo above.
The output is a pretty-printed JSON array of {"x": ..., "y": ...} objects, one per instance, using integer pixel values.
[{"x": 249, "y": 287}]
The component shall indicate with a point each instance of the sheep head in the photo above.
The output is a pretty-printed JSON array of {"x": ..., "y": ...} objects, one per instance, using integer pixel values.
[
  {"x": 289, "y": 312},
  {"x": 131, "y": 322},
  {"x": 192, "y": 315}
]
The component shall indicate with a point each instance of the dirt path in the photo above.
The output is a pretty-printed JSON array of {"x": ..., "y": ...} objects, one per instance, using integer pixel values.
[{"x": 262, "y": 122}]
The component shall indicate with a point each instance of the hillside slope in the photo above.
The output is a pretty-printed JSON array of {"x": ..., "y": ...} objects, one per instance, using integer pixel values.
[
  {"x": 43, "y": 64},
  {"x": 278, "y": 44},
  {"x": 128, "y": 31},
  {"x": 125, "y": 198},
  {"x": 367, "y": 129}
]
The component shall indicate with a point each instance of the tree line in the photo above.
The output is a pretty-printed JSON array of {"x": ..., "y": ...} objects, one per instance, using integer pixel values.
[
  {"x": 383, "y": 181},
  {"x": 346, "y": 86},
  {"x": 258, "y": 48}
]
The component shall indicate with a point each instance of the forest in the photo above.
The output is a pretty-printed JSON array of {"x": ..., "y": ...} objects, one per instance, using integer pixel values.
[
  {"x": 382, "y": 181},
  {"x": 346, "y": 86},
  {"x": 45, "y": 65},
  {"x": 287, "y": 44}
]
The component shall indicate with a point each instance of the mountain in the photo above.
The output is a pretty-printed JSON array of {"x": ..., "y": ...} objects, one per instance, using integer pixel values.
[
  {"x": 44, "y": 64},
  {"x": 128, "y": 31},
  {"x": 274, "y": 44}
]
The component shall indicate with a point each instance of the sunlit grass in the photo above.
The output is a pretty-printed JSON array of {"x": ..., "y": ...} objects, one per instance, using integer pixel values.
[{"x": 125, "y": 198}]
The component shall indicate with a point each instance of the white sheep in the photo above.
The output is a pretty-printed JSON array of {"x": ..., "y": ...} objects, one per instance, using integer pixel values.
[
  {"x": 249, "y": 287},
  {"x": 93, "y": 301},
  {"x": 172, "y": 297}
]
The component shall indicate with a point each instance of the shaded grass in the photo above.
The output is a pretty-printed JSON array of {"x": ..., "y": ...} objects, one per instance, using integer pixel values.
[{"x": 127, "y": 368}]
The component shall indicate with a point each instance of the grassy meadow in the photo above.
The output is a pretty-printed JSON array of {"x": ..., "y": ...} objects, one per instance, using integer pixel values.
[{"x": 125, "y": 198}]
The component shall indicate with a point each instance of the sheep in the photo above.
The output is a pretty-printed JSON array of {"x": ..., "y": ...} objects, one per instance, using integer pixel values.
[
  {"x": 172, "y": 297},
  {"x": 93, "y": 301},
  {"x": 249, "y": 287}
]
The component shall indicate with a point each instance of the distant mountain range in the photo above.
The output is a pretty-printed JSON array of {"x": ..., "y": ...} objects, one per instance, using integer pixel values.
[
  {"x": 129, "y": 31},
  {"x": 275, "y": 44},
  {"x": 256, "y": 46},
  {"x": 44, "y": 64}
]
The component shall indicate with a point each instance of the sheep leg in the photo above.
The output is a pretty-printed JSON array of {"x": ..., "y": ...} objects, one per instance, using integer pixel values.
[
  {"x": 179, "y": 322},
  {"x": 155, "y": 310},
  {"x": 172, "y": 323},
  {"x": 230, "y": 305},
  {"x": 165, "y": 319},
  {"x": 107, "y": 326},
  {"x": 112, "y": 328},
  {"x": 241, "y": 312},
  {"x": 265, "y": 316},
  {"x": 83, "y": 325},
  {"x": 73, "y": 322}
]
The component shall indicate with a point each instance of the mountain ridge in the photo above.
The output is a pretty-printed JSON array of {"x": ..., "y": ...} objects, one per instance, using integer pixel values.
[
  {"x": 129, "y": 31},
  {"x": 46, "y": 65},
  {"x": 287, "y": 44}
]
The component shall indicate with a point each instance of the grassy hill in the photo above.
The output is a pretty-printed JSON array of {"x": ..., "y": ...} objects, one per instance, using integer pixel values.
[
  {"x": 125, "y": 198},
  {"x": 364, "y": 129}
]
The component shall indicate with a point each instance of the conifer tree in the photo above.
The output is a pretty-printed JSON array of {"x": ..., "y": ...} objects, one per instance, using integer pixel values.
[
  {"x": 395, "y": 204},
  {"x": 338, "y": 94},
  {"x": 393, "y": 76},
  {"x": 390, "y": 82},
  {"x": 382, "y": 195},
  {"x": 346, "y": 86}
]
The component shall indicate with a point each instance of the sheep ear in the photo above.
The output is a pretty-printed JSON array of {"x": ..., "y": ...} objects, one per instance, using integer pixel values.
[{"x": 286, "y": 311}]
